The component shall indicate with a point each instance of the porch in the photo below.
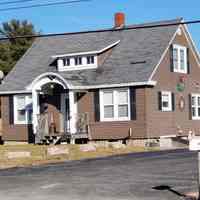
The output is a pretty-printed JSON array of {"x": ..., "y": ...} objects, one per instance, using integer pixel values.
[{"x": 55, "y": 112}]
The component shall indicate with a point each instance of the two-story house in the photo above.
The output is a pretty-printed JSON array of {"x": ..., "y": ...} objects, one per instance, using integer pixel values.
[{"x": 128, "y": 82}]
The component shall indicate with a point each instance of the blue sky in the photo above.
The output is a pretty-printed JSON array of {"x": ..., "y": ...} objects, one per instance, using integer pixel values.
[{"x": 98, "y": 14}]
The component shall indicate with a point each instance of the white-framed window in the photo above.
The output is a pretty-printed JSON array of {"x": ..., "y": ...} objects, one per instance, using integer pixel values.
[
  {"x": 166, "y": 101},
  {"x": 195, "y": 106},
  {"x": 78, "y": 60},
  {"x": 114, "y": 104},
  {"x": 180, "y": 58},
  {"x": 77, "y": 63},
  {"x": 90, "y": 60},
  {"x": 23, "y": 109},
  {"x": 67, "y": 61}
]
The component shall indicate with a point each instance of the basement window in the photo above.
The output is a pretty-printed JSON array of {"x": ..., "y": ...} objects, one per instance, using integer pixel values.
[{"x": 23, "y": 109}]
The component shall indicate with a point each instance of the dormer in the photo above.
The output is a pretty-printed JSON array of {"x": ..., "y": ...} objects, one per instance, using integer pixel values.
[
  {"x": 80, "y": 61},
  {"x": 77, "y": 62}
]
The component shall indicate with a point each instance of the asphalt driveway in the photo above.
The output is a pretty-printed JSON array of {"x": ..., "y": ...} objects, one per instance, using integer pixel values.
[{"x": 152, "y": 176}]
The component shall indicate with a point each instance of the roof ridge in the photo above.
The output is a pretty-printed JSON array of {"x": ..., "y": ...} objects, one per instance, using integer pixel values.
[
  {"x": 127, "y": 27},
  {"x": 159, "y": 22}
]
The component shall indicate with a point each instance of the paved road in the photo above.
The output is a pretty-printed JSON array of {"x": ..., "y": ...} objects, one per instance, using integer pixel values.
[{"x": 129, "y": 177}]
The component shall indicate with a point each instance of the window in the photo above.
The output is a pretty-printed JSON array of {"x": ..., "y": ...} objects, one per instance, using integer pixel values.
[
  {"x": 114, "y": 104},
  {"x": 180, "y": 58},
  {"x": 90, "y": 60},
  {"x": 166, "y": 101},
  {"x": 78, "y": 60},
  {"x": 195, "y": 106},
  {"x": 67, "y": 62},
  {"x": 23, "y": 109}
]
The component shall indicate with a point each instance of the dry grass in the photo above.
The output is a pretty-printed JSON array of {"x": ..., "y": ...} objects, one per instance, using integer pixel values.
[{"x": 39, "y": 154}]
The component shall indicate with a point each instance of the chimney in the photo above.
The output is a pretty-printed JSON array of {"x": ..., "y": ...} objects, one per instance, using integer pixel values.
[{"x": 119, "y": 20}]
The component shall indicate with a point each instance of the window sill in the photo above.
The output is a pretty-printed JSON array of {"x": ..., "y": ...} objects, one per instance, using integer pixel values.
[
  {"x": 180, "y": 72},
  {"x": 115, "y": 120},
  {"x": 166, "y": 110},
  {"x": 195, "y": 118}
]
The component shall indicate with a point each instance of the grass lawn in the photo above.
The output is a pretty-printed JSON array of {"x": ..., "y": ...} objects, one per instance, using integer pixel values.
[{"x": 39, "y": 154}]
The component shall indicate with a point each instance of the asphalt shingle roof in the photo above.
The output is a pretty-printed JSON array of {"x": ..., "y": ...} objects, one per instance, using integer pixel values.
[{"x": 132, "y": 60}]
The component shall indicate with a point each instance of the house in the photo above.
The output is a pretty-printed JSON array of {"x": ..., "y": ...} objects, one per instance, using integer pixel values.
[{"x": 129, "y": 82}]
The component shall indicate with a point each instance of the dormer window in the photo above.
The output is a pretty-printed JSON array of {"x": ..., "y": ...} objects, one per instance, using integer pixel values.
[
  {"x": 90, "y": 60},
  {"x": 78, "y": 60},
  {"x": 67, "y": 62}
]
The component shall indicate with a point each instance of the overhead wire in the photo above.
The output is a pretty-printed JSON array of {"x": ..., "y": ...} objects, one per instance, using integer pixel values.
[
  {"x": 42, "y": 5},
  {"x": 104, "y": 30}
]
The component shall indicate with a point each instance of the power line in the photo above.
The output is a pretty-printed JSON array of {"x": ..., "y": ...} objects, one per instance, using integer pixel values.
[
  {"x": 43, "y": 5},
  {"x": 105, "y": 30},
  {"x": 14, "y": 2}
]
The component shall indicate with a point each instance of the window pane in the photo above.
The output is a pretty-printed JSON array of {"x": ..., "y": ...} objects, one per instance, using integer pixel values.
[
  {"x": 123, "y": 97},
  {"x": 123, "y": 111},
  {"x": 80, "y": 60},
  {"x": 198, "y": 101},
  {"x": 108, "y": 98},
  {"x": 30, "y": 115},
  {"x": 108, "y": 111},
  {"x": 193, "y": 112},
  {"x": 90, "y": 59},
  {"x": 175, "y": 58},
  {"x": 193, "y": 101},
  {"x": 182, "y": 59},
  {"x": 67, "y": 62},
  {"x": 165, "y": 104},
  {"x": 198, "y": 112},
  {"x": 165, "y": 101},
  {"x": 21, "y": 115},
  {"x": 20, "y": 102}
]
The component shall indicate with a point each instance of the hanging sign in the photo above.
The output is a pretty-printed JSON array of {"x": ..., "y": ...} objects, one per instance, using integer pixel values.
[{"x": 181, "y": 84}]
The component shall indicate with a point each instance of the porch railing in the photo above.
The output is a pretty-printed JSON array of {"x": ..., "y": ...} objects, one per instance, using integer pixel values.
[{"x": 82, "y": 123}]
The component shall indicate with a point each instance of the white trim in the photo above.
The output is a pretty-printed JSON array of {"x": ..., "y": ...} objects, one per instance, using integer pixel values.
[
  {"x": 73, "y": 67},
  {"x": 163, "y": 55},
  {"x": 169, "y": 94},
  {"x": 87, "y": 52},
  {"x": 115, "y": 105},
  {"x": 63, "y": 82},
  {"x": 73, "y": 111},
  {"x": 118, "y": 85},
  {"x": 86, "y": 87},
  {"x": 16, "y": 92},
  {"x": 190, "y": 42}
]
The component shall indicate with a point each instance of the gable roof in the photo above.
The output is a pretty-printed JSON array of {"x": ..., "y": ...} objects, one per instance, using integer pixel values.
[{"x": 132, "y": 60}]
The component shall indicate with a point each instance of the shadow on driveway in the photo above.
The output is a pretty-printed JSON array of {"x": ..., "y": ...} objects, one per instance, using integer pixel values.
[{"x": 168, "y": 188}]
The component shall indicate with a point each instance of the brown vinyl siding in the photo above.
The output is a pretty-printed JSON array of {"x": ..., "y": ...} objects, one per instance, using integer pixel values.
[
  {"x": 117, "y": 129},
  {"x": 13, "y": 132},
  {"x": 177, "y": 122}
]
